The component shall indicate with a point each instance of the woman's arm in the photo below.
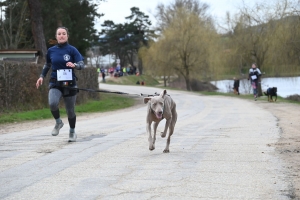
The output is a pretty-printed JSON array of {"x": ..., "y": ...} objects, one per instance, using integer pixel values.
[
  {"x": 46, "y": 68},
  {"x": 79, "y": 65}
]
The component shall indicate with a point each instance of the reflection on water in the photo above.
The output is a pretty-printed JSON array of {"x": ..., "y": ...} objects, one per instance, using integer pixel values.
[{"x": 285, "y": 86}]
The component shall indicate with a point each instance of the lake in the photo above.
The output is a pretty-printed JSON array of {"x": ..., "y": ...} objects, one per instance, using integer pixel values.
[{"x": 285, "y": 86}]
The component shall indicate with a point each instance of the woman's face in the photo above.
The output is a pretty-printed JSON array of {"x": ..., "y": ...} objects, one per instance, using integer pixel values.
[
  {"x": 61, "y": 35},
  {"x": 253, "y": 66}
]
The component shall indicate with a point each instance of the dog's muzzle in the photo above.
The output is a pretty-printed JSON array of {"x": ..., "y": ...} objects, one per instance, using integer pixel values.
[{"x": 158, "y": 114}]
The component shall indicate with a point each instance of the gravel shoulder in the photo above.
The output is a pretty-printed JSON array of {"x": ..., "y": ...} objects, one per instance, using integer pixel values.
[{"x": 288, "y": 146}]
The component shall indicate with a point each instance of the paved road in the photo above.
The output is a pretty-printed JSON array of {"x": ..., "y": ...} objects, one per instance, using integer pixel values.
[{"x": 219, "y": 150}]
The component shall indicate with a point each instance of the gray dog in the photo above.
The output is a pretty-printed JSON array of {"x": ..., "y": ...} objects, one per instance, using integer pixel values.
[{"x": 160, "y": 107}]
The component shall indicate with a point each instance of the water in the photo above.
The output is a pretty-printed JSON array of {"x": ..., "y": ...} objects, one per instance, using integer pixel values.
[{"x": 285, "y": 86}]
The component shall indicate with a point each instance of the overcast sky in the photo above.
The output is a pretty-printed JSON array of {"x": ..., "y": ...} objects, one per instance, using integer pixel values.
[{"x": 117, "y": 10}]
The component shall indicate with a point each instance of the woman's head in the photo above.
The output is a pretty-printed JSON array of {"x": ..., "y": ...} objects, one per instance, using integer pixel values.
[
  {"x": 62, "y": 35},
  {"x": 254, "y": 65}
]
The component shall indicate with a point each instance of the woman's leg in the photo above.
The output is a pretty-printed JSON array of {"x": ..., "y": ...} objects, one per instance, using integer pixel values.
[
  {"x": 70, "y": 109},
  {"x": 53, "y": 99},
  {"x": 254, "y": 85}
]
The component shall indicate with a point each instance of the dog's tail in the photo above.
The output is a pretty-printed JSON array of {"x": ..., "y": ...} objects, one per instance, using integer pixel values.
[{"x": 265, "y": 93}]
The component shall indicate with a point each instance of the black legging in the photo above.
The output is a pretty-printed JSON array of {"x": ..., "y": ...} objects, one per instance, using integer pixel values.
[{"x": 54, "y": 98}]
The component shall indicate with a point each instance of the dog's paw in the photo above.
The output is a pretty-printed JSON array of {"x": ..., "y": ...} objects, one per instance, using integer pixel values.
[
  {"x": 162, "y": 134},
  {"x": 151, "y": 148},
  {"x": 166, "y": 151}
]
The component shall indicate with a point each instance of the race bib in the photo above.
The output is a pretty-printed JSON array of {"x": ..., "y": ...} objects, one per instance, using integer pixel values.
[
  {"x": 64, "y": 75},
  {"x": 253, "y": 77}
]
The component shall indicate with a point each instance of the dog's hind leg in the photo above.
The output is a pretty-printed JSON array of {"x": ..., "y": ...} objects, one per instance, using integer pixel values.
[
  {"x": 171, "y": 130},
  {"x": 163, "y": 134}
]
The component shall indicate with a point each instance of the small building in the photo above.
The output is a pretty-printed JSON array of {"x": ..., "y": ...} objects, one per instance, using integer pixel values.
[{"x": 19, "y": 55}]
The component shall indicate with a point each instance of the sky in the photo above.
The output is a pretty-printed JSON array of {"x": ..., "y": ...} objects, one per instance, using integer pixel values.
[{"x": 117, "y": 10}]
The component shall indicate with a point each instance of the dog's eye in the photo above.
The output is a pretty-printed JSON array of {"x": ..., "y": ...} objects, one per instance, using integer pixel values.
[{"x": 154, "y": 104}]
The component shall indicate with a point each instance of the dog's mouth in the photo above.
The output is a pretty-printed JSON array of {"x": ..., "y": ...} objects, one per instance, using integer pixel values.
[{"x": 158, "y": 115}]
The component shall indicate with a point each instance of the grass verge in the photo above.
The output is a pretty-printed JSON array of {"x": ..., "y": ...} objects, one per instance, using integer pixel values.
[
  {"x": 250, "y": 97},
  {"x": 108, "y": 102}
]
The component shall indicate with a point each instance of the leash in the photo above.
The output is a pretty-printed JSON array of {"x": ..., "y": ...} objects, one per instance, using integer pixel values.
[
  {"x": 102, "y": 91},
  {"x": 150, "y": 95},
  {"x": 113, "y": 92}
]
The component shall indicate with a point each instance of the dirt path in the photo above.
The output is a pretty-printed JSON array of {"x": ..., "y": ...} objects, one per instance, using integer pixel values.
[{"x": 288, "y": 146}]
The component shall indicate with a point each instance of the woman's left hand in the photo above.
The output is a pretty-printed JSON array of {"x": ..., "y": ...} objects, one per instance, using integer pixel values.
[{"x": 70, "y": 64}]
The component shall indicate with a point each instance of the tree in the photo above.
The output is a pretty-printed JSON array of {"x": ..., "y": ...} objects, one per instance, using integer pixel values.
[
  {"x": 184, "y": 46},
  {"x": 37, "y": 26},
  {"x": 141, "y": 33},
  {"x": 156, "y": 63},
  {"x": 254, "y": 30},
  {"x": 166, "y": 14},
  {"x": 15, "y": 25},
  {"x": 124, "y": 40},
  {"x": 78, "y": 16}
]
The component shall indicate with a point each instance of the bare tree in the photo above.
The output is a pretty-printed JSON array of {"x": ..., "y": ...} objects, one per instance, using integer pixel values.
[
  {"x": 254, "y": 30},
  {"x": 166, "y": 14},
  {"x": 14, "y": 25}
]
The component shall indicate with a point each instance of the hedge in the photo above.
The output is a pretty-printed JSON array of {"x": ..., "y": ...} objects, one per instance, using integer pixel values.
[{"x": 18, "y": 90}]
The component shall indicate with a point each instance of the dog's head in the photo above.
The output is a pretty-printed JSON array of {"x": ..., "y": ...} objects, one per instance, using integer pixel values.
[
  {"x": 275, "y": 90},
  {"x": 156, "y": 104}
]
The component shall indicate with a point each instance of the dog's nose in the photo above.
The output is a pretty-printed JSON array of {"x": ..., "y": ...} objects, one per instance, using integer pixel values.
[{"x": 160, "y": 112}]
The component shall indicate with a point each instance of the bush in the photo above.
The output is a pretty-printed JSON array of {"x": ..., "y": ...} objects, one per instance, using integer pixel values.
[
  {"x": 294, "y": 97},
  {"x": 196, "y": 85},
  {"x": 18, "y": 91}
]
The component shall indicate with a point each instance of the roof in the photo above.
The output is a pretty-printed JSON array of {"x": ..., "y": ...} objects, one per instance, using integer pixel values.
[
  {"x": 31, "y": 60},
  {"x": 19, "y": 51}
]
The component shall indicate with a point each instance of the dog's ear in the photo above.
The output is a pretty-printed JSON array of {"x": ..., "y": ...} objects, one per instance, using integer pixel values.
[
  {"x": 163, "y": 93},
  {"x": 146, "y": 99}
]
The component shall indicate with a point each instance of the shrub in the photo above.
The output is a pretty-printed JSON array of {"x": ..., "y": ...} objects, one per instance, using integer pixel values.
[{"x": 18, "y": 91}]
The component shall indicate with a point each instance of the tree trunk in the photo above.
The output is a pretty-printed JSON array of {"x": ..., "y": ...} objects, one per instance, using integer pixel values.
[
  {"x": 259, "y": 90},
  {"x": 37, "y": 26},
  {"x": 140, "y": 66},
  {"x": 187, "y": 82}
]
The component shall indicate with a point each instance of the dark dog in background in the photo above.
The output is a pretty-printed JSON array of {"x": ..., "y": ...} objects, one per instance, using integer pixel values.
[{"x": 271, "y": 92}]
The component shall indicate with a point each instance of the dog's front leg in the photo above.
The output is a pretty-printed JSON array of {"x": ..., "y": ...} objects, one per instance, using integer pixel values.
[
  {"x": 155, "y": 124},
  {"x": 150, "y": 140},
  {"x": 168, "y": 121}
]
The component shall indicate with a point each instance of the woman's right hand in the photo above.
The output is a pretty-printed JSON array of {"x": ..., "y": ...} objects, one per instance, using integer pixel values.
[{"x": 39, "y": 82}]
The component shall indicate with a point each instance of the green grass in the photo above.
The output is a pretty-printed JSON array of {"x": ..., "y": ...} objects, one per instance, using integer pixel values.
[
  {"x": 250, "y": 97},
  {"x": 108, "y": 102}
]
